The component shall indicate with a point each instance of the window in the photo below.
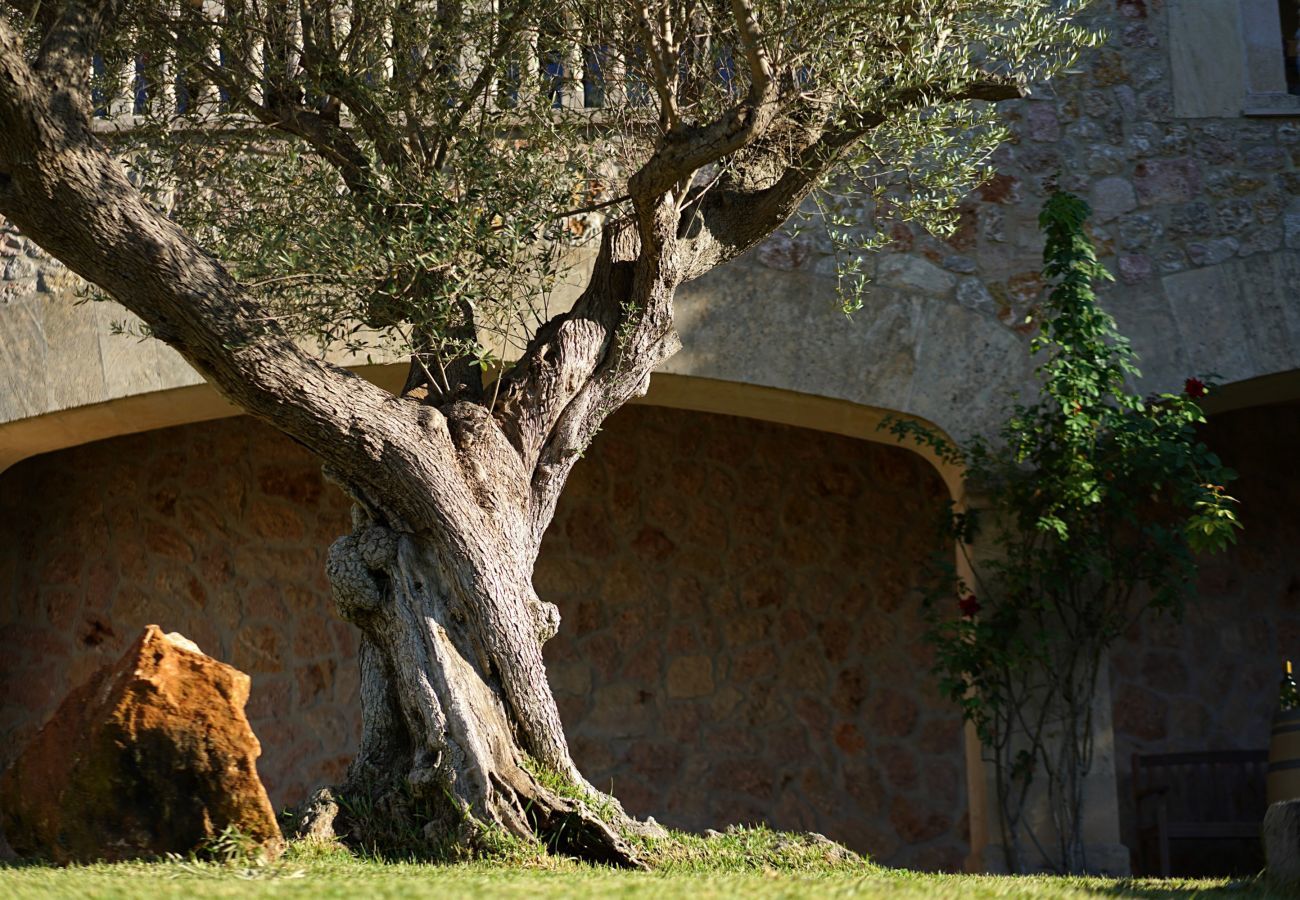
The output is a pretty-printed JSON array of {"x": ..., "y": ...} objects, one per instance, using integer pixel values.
[
  {"x": 1289, "y": 14},
  {"x": 1268, "y": 36},
  {"x": 1235, "y": 57}
]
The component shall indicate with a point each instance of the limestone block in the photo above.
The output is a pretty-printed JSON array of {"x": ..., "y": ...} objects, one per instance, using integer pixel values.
[
  {"x": 23, "y": 390},
  {"x": 130, "y": 364},
  {"x": 973, "y": 295},
  {"x": 1210, "y": 324},
  {"x": 1292, "y": 226},
  {"x": 1205, "y": 55},
  {"x": 152, "y": 755},
  {"x": 74, "y": 329},
  {"x": 915, "y": 273},
  {"x": 784, "y": 251},
  {"x": 1135, "y": 268},
  {"x": 1111, "y": 198},
  {"x": 690, "y": 676},
  {"x": 1211, "y": 253},
  {"x": 1281, "y": 835},
  {"x": 1160, "y": 181}
]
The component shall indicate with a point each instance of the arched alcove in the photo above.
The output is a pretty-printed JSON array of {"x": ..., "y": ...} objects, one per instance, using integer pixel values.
[
  {"x": 1209, "y": 681},
  {"x": 741, "y": 638}
]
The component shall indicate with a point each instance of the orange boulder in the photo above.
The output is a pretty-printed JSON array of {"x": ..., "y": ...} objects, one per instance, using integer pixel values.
[{"x": 152, "y": 755}]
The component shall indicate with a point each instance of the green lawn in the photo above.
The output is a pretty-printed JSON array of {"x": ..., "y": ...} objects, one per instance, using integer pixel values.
[{"x": 317, "y": 873}]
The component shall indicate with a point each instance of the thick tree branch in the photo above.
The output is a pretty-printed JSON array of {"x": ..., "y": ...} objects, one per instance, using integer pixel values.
[
  {"x": 321, "y": 57},
  {"x": 751, "y": 41},
  {"x": 657, "y": 39},
  {"x": 282, "y": 105},
  {"x": 71, "y": 29},
  {"x": 684, "y": 147},
  {"x": 728, "y": 220},
  {"x": 585, "y": 364}
]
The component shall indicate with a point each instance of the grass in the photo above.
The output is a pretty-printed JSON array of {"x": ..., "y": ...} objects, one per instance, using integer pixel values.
[{"x": 748, "y": 863}]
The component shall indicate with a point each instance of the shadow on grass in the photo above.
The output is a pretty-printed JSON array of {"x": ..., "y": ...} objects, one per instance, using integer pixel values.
[{"x": 1259, "y": 886}]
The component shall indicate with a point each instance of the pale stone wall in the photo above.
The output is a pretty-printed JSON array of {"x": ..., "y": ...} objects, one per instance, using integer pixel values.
[
  {"x": 740, "y": 638},
  {"x": 1198, "y": 218},
  {"x": 1197, "y": 213}
]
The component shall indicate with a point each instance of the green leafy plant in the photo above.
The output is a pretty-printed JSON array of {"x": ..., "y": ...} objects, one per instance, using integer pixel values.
[{"x": 1092, "y": 503}]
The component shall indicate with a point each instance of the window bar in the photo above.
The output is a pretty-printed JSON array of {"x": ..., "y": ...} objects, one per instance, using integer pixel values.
[
  {"x": 208, "y": 101},
  {"x": 570, "y": 64}
]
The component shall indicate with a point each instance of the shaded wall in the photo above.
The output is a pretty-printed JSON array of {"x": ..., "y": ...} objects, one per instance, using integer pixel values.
[
  {"x": 739, "y": 639},
  {"x": 1210, "y": 682},
  {"x": 218, "y": 531}
]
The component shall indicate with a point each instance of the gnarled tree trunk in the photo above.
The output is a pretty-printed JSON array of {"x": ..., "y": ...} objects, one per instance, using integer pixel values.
[
  {"x": 461, "y": 731},
  {"x": 459, "y": 722}
]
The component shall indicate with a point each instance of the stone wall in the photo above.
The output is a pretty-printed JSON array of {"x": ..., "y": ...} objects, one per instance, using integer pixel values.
[
  {"x": 217, "y": 531},
  {"x": 1210, "y": 682},
  {"x": 1197, "y": 215},
  {"x": 740, "y": 642},
  {"x": 1198, "y": 219}
]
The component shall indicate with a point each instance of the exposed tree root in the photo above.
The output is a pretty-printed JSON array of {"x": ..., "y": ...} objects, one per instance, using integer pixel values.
[{"x": 389, "y": 820}]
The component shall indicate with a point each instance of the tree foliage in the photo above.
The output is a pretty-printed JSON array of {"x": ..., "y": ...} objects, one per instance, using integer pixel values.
[
  {"x": 1092, "y": 504},
  {"x": 416, "y": 175}
]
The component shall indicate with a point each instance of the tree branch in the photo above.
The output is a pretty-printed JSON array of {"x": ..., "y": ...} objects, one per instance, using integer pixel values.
[
  {"x": 728, "y": 220},
  {"x": 71, "y": 29},
  {"x": 60, "y": 186},
  {"x": 320, "y": 57},
  {"x": 751, "y": 41},
  {"x": 508, "y": 32}
]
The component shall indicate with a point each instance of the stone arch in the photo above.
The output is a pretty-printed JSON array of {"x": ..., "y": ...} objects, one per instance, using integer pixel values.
[
  {"x": 812, "y": 411},
  {"x": 216, "y": 530},
  {"x": 1264, "y": 390},
  {"x": 1209, "y": 681},
  {"x": 152, "y": 410}
]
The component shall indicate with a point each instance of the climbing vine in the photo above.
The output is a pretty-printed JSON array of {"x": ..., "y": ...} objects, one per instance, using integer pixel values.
[{"x": 1091, "y": 505}]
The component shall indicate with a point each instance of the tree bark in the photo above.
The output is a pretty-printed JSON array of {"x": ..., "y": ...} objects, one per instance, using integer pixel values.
[
  {"x": 460, "y": 732},
  {"x": 460, "y": 722}
]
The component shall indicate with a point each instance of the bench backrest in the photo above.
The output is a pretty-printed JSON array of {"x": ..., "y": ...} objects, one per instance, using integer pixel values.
[{"x": 1209, "y": 786}]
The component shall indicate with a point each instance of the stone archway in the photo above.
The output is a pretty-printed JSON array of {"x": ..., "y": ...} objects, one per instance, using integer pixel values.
[
  {"x": 1209, "y": 682},
  {"x": 745, "y": 618}
]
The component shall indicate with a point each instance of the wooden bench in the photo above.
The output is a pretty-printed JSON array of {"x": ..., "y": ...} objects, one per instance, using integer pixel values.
[{"x": 1209, "y": 796}]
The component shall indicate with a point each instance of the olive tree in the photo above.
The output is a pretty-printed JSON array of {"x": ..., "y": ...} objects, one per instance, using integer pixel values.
[{"x": 413, "y": 177}]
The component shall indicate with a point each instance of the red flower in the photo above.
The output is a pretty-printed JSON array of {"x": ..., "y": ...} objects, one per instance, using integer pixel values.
[
  {"x": 1194, "y": 388},
  {"x": 969, "y": 606}
]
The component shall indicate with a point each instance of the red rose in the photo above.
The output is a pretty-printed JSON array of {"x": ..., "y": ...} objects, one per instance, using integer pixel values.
[
  {"x": 1194, "y": 388},
  {"x": 969, "y": 606}
]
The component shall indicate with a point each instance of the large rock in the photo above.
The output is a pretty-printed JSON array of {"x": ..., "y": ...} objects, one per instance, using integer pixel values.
[
  {"x": 1282, "y": 842},
  {"x": 151, "y": 755}
]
